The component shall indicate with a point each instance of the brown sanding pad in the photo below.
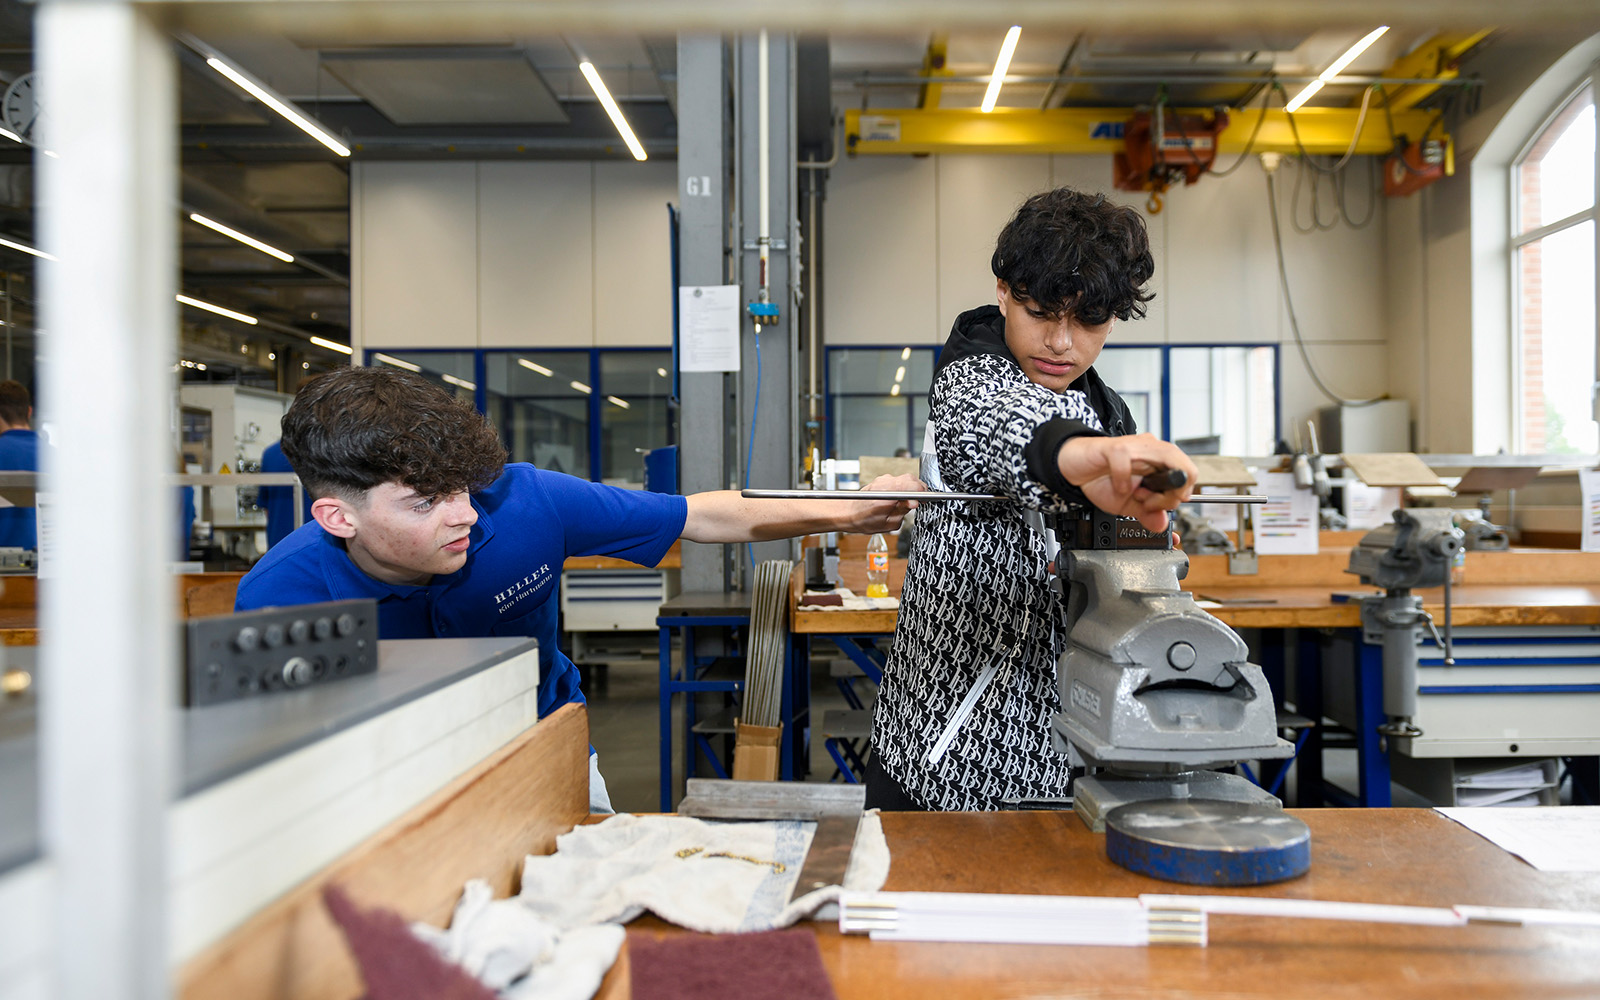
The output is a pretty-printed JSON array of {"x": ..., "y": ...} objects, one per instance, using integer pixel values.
[
  {"x": 394, "y": 963},
  {"x": 774, "y": 965}
]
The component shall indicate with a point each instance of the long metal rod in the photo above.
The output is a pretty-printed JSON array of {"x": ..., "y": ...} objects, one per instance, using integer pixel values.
[{"x": 941, "y": 495}]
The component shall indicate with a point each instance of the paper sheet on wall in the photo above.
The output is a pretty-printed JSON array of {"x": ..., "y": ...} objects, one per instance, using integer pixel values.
[
  {"x": 1559, "y": 839},
  {"x": 1287, "y": 523},
  {"x": 708, "y": 328},
  {"x": 44, "y": 505},
  {"x": 1368, "y": 507},
  {"x": 1589, "y": 486}
]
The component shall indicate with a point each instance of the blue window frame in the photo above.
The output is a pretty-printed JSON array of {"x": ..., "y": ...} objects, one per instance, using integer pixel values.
[
  {"x": 1220, "y": 396},
  {"x": 588, "y": 412}
]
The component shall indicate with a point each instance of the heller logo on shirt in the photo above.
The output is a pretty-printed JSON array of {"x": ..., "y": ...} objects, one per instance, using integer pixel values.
[{"x": 529, "y": 585}]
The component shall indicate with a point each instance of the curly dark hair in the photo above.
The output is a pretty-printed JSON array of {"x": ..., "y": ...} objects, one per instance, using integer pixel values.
[
  {"x": 356, "y": 428},
  {"x": 1077, "y": 253}
]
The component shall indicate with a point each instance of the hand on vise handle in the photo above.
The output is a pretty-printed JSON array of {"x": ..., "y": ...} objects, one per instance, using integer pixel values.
[{"x": 1115, "y": 474}]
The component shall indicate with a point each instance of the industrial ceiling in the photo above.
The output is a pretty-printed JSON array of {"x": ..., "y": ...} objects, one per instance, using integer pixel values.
[{"x": 492, "y": 95}]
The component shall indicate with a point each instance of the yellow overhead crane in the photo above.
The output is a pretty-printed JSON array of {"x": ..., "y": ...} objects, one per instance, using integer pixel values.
[{"x": 1388, "y": 116}]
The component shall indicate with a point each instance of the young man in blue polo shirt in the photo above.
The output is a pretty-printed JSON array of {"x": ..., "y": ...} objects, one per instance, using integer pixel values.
[
  {"x": 19, "y": 451},
  {"x": 415, "y": 505}
]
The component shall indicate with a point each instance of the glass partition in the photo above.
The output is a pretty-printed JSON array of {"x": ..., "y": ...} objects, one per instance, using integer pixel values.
[
  {"x": 878, "y": 399},
  {"x": 633, "y": 412},
  {"x": 1226, "y": 393},
  {"x": 539, "y": 401}
]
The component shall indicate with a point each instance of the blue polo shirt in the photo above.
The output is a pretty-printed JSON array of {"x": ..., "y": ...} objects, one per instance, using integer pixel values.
[
  {"x": 278, "y": 501},
  {"x": 19, "y": 452},
  {"x": 529, "y": 522}
]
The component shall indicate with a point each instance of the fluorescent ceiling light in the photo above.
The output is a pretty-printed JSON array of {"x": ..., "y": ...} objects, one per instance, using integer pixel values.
[
  {"x": 581, "y": 387},
  {"x": 600, "y": 91},
  {"x": 219, "y": 310},
  {"x": 330, "y": 345},
  {"x": 1001, "y": 64},
  {"x": 662, "y": 372},
  {"x": 541, "y": 369},
  {"x": 894, "y": 390},
  {"x": 905, "y": 355},
  {"x": 900, "y": 374},
  {"x": 463, "y": 383},
  {"x": 390, "y": 360},
  {"x": 1332, "y": 71},
  {"x": 259, "y": 91},
  {"x": 13, "y": 244},
  {"x": 618, "y": 402},
  {"x": 249, "y": 241}
]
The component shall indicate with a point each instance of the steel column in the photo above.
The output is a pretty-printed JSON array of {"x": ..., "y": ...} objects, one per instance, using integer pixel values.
[{"x": 705, "y": 413}]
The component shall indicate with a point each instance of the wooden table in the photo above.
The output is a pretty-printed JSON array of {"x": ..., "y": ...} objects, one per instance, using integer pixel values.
[{"x": 1406, "y": 856}]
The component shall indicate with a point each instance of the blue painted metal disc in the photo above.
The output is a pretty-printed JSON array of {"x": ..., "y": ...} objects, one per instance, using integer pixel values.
[{"x": 1207, "y": 842}]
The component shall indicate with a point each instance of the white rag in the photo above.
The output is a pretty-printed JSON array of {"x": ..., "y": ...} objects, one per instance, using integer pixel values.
[
  {"x": 706, "y": 875},
  {"x": 557, "y": 938},
  {"x": 519, "y": 954}
]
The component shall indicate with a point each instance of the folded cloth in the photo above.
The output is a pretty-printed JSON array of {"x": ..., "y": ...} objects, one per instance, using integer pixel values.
[
  {"x": 519, "y": 954},
  {"x": 845, "y": 599},
  {"x": 711, "y": 876}
]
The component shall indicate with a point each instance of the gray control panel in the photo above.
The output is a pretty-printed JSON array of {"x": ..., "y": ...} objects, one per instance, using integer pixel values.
[{"x": 278, "y": 649}]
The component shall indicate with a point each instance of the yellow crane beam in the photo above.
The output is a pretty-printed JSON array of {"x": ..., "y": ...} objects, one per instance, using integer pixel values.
[
  {"x": 1099, "y": 130},
  {"x": 1436, "y": 58}
]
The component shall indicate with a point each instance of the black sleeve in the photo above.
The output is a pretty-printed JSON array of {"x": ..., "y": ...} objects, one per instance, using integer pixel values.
[{"x": 1046, "y": 444}]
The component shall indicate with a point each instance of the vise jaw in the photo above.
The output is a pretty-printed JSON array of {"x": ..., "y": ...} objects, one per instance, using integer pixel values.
[{"x": 1150, "y": 682}]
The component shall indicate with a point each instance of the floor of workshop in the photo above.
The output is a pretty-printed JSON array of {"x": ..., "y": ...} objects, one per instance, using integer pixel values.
[{"x": 624, "y": 728}]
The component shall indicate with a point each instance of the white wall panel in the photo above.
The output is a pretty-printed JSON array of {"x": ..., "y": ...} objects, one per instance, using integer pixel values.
[
  {"x": 1337, "y": 275},
  {"x": 880, "y": 270},
  {"x": 536, "y": 254},
  {"x": 1222, "y": 281},
  {"x": 1355, "y": 371},
  {"x": 1093, "y": 173},
  {"x": 417, "y": 254},
  {"x": 632, "y": 253},
  {"x": 977, "y": 195}
]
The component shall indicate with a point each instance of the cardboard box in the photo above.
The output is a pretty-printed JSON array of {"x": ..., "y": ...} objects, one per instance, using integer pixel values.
[{"x": 755, "y": 752}]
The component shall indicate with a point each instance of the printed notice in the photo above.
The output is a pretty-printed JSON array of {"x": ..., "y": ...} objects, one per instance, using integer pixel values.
[
  {"x": 1367, "y": 507},
  {"x": 1551, "y": 840},
  {"x": 1287, "y": 523},
  {"x": 1223, "y": 516},
  {"x": 708, "y": 326},
  {"x": 1589, "y": 487}
]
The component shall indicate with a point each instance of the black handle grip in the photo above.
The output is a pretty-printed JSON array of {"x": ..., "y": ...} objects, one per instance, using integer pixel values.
[{"x": 1165, "y": 480}]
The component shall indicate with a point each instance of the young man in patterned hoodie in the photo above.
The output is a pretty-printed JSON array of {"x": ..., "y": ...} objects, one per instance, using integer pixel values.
[{"x": 1016, "y": 409}]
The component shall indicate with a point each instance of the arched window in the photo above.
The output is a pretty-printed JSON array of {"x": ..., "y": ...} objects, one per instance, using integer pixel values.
[{"x": 1553, "y": 271}]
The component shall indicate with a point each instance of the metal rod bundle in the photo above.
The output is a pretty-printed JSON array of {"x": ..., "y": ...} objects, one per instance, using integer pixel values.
[{"x": 769, "y": 642}]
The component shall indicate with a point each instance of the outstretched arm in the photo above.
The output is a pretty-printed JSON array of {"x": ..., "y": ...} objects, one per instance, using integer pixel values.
[
  {"x": 1108, "y": 470},
  {"x": 725, "y": 516}
]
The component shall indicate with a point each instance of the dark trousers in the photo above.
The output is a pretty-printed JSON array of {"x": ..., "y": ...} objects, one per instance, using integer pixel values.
[{"x": 883, "y": 792}]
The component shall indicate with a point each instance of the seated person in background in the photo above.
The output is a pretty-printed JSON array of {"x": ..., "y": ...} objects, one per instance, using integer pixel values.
[
  {"x": 19, "y": 452},
  {"x": 415, "y": 505},
  {"x": 278, "y": 501},
  {"x": 1015, "y": 409}
]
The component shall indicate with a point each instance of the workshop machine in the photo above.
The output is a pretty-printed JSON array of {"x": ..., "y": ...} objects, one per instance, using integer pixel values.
[
  {"x": 1156, "y": 694},
  {"x": 1416, "y": 550}
]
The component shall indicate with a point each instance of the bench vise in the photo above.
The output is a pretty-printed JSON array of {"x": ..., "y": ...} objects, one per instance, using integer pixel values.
[{"x": 1155, "y": 691}]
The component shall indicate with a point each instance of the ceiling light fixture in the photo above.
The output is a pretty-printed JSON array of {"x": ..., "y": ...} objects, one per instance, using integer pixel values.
[
  {"x": 333, "y": 346},
  {"x": 249, "y": 241},
  {"x": 391, "y": 360},
  {"x": 1001, "y": 64},
  {"x": 463, "y": 383},
  {"x": 614, "y": 401},
  {"x": 272, "y": 355},
  {"x": 219, "y": 310},
  {"x": 900, "y": 374},
  {"x": 905, "y": 354},
  {"x": 1334, "y": 70},
  {"x": 581, "y": 387},
  {"x": 599, "y": 86},
  {"x": 894, "y": 390},
  {"x": 541, "y": 369},
  {"x": 662, "y": 372},
  {"x": 13, "y": 244},
  {"x": 261, "y": 92}
]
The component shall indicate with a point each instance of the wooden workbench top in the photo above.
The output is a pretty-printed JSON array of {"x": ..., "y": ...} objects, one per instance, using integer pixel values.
[
  {"x": 1407, "y": 856},
  {"x": 1520, "y": 587}
]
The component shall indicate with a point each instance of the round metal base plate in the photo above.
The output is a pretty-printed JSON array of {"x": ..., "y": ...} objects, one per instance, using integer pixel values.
[{"x": 1205, "y": 842}]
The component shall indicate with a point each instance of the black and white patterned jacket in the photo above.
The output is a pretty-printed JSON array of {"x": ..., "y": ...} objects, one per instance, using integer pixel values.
[{"x": 976, "y": 586}]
